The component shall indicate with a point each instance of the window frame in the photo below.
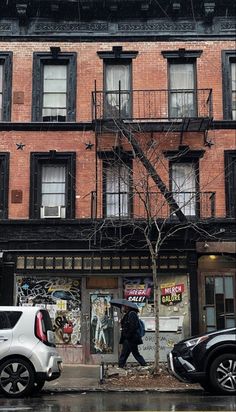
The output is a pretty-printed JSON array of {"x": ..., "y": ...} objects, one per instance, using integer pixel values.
[
  {"x": 41, "y": 59},
  {"x": 195, "y": 103},
  {"x": 230, "y": 203},
  {"x": 228, "y": 57},
  {"x": 118, "y": 62},
  {"x": 4, "y": 184},
  {"x": 37, "y": 160},
  {"x": 124, "y": 161},
  {"x": 6, "y": 62}
]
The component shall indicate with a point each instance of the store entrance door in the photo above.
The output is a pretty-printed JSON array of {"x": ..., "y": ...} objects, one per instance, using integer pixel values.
[
  {"x": 219, "y": 301},
  {"x": 102, "y": 327}
]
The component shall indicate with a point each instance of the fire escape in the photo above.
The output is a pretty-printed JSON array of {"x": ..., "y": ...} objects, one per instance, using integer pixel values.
[{"x": 123, "y": 112}]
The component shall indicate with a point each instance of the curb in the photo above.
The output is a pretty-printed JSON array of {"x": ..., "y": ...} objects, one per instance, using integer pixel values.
[{"x": 127, "y": 390}]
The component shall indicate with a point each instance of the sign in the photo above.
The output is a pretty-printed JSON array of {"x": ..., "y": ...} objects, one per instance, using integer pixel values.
[{"x": 171, "y": 294}]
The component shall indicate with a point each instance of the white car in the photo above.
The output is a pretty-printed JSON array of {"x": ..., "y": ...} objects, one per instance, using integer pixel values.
[{"x": 28, "y": 355}]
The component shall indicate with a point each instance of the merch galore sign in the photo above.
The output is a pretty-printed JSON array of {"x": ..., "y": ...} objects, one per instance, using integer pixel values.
[{"x": 171, "y": 294}]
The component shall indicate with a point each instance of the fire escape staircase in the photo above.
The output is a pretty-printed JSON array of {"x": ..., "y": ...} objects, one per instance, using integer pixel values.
[{"x": 150, "y": 118}]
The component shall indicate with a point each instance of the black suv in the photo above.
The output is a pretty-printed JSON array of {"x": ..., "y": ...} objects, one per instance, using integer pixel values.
[{"x": 208, "y": 359}]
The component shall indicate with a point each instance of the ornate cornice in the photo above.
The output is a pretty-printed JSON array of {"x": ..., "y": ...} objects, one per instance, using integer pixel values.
[{"x": 130, "y": 29}]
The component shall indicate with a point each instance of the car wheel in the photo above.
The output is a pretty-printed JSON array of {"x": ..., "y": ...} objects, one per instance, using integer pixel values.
[
  {"x": 16, "y": 378},
  {"x": 223, "y": 374}
]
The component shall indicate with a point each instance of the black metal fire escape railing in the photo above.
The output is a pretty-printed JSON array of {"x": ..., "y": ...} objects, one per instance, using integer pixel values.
[
  {"x": 146, "y": 105},
  {"x": 141, "y": 205}
]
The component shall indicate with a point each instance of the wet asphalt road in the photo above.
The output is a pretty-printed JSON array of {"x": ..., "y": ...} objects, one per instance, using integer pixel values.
[{"x": 117, "y": 402}]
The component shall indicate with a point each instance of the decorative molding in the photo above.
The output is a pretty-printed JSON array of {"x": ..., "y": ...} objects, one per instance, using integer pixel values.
[
  {"x": 228, "y": 25},
  {"x": 70, "y": 27},
  {"x": 5, "y": 27},
  {"x": 164, "y": 26}
]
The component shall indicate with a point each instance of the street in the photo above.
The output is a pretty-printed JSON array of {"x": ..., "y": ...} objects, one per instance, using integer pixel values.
[{"x": 120, "y": 401}]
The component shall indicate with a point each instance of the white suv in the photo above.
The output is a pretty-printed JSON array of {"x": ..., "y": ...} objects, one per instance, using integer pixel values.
[{"x": 28, "y": 356}]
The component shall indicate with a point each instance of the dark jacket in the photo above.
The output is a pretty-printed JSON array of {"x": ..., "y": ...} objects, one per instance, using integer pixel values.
[{"x": 130, "y": 328}]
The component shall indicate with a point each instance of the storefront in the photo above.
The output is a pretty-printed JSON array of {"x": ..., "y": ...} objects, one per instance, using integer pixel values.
[{"x": 86, "y": 326}]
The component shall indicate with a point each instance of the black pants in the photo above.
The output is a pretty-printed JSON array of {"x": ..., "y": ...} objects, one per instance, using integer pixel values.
[{"x": 127, "y": 349}]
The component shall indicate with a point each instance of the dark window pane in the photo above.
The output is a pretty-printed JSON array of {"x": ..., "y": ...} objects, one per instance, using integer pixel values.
[
  {"x": 209, "y": 291},
  {"x": 229, "y": 305},
  {"x": 220, "y": 310}
]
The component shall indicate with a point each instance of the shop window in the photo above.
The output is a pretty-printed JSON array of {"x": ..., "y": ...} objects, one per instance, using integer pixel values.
[
  {"x": 52, "y": 185},
  {"x": 229, "y": 84},
  {"x": 4, "y": 176},
  {"x": 5, "y": 85},
  {"x": 61, "y": 296},
  {"x": 54, "y": 87},
  {"x": 219, "y": 301}
]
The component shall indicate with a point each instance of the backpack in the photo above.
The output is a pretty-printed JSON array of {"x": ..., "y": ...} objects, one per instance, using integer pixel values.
[{"x": 141, "y": 328}]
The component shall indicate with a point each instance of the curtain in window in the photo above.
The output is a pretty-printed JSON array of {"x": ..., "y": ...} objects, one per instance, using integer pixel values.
[
  {"x": 53, "y": 185},
  {"x": 182, "y": 90},
  {"x": 117, "y": 74},
  {"x": 54, "y": 92},
  {"x": 117, "y": 190},
  {"x": 1, "y": 83},
  {"x": 184, "y": 187},
  {"x": 233, "y": 77}
]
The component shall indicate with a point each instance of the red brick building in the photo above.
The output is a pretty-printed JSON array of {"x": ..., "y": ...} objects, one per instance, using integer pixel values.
[{"x": 92, "y": 97}]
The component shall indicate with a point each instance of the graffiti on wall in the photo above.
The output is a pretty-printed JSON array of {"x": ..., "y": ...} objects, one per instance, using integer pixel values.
[
  {"x": 102, "y": 324},
  {"x": 61, "y": 297}
]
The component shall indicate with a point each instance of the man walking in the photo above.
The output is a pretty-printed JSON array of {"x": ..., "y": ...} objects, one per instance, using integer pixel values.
[{"x": 130, "y": 337}]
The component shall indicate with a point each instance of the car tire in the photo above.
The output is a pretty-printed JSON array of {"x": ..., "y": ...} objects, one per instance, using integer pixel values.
[
  {"x": 16, "y": 378},
  {"x": 223, "y": 374}
]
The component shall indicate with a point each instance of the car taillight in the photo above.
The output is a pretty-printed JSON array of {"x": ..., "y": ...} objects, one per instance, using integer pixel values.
[{"x": 39, "y": 328}]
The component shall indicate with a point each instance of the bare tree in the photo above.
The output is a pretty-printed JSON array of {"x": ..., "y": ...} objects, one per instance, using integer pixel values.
[{"x": 159, "y": 212}]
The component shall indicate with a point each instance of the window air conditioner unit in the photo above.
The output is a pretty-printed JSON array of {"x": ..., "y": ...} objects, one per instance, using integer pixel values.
[{"x": 52, "y": 212}]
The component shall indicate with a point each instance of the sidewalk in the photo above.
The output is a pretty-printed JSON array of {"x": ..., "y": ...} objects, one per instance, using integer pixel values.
[{"x": 87, "y": 378}]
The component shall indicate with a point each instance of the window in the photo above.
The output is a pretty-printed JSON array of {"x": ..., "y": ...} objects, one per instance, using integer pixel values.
[
  {"x": 230, "y": 182},
  {"x": 182, "y": 82},
  {"x": 52, "y": 185},
  {"x": 219, "y": 301},
  {"x": 4, "y": 176},
  {"x": 1, "y": 88},
  {"x": 54, "y": 93},
  {"x": 184, "y": 186},
  {"x": 117, "y": 90},
  {"x": 182, "y": 90},
  {"x": 53, "y": 190},
  {"x": 229, "y": 84},
  {"x": 117, "y": 189},
  {"x": 5, "y": 85},
  {"x": 54, "y": 87}
]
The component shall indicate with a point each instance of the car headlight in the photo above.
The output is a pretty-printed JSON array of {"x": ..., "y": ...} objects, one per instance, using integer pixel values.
[{"x": 196, "y": 341}]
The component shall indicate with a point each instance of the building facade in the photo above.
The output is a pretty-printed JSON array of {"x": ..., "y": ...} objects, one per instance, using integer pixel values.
[{"x": 117, "y": 119}]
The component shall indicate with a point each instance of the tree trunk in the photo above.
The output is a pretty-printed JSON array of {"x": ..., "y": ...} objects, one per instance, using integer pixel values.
[{"x": 156, "y": 369}]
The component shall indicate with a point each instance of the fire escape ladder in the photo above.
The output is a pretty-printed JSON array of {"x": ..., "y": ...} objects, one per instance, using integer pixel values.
[{"x": 174, "y": 207}]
